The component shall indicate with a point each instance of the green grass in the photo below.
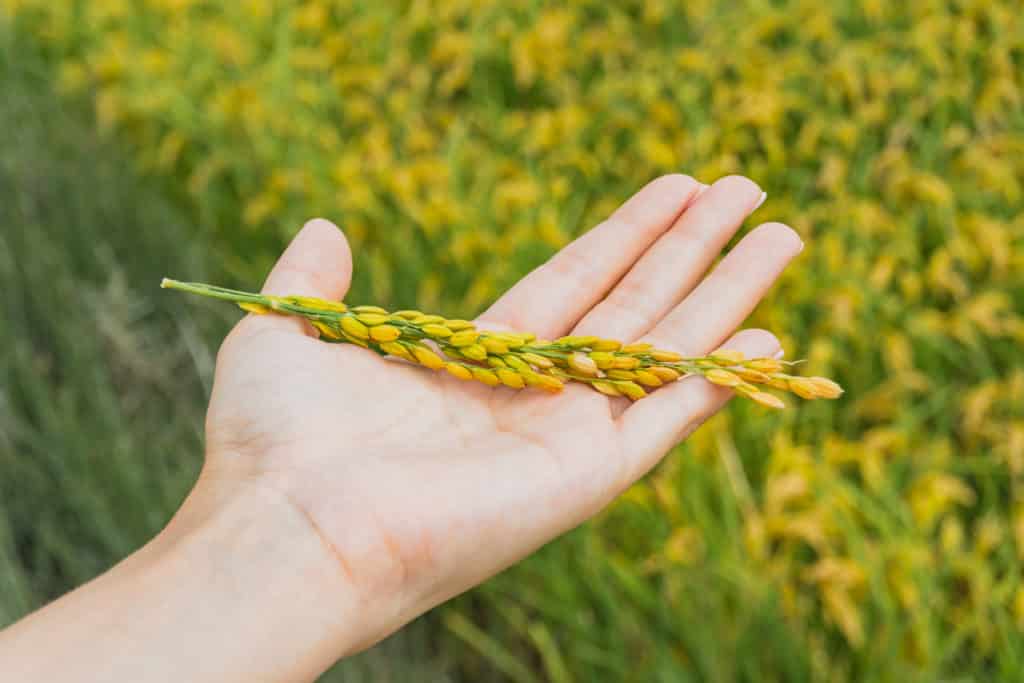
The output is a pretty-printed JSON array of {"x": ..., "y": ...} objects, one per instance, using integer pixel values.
[
  {"x": 103, "y": 380},
  {"x": 582, "y": 604}
]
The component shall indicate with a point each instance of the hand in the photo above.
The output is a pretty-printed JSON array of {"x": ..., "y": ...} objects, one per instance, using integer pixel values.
[{"x": 420, "y": 485}]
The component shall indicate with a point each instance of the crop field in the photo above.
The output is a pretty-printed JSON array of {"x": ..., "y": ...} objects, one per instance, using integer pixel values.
[{"x": 459, "y": 143}]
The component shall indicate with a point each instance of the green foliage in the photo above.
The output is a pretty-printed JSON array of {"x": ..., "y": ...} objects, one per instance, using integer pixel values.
[
  {"x": 98, "y": 443},
  {"x": 458, "y": 143}
]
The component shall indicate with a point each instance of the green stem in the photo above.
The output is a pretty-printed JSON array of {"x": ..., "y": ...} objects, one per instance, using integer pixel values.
[{"x": 214, "y": 292}]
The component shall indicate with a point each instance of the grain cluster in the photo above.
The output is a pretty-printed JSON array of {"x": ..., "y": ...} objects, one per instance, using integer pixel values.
[{"x": 519, "y": 359}]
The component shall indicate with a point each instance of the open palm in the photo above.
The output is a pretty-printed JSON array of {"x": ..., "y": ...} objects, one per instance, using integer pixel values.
[{"x": 423, "y": 485}]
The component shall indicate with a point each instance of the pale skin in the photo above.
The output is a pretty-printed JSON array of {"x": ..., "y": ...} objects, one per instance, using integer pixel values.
[{"x": 343, "y": 494}]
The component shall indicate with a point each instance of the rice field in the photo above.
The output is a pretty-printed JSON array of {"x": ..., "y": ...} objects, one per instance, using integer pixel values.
[{"x": 459, "y": 143}]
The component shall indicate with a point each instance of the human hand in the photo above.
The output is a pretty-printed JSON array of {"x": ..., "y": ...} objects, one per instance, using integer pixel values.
[{"x": 421, "y": 486}]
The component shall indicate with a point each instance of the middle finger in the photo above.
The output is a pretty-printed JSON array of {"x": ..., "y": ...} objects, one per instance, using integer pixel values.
[{"x": 674, "y": 264}]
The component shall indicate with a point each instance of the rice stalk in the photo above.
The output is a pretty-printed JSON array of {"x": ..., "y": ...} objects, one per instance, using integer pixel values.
[{"x": 518, "y": 360}]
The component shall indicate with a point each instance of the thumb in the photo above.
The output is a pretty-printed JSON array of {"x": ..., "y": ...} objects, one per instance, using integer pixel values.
[{"x": 317, "y": 263}]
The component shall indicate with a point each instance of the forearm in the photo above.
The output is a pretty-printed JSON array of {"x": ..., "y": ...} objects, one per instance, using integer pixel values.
[{"x": 228, "y": 596}]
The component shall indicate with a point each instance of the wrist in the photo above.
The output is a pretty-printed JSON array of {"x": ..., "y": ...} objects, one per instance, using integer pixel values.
[
  {"x": 273, "y": 590},
  {"x": 236, "y": 588}
]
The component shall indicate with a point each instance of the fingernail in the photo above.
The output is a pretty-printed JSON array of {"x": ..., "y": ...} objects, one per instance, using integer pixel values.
[
  {"x": 764, "y": 196},
  {"x": 779, "y": 354}
]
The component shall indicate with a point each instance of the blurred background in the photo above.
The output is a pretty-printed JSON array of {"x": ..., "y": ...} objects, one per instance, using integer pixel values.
[{"x": 461, "y": 142}]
